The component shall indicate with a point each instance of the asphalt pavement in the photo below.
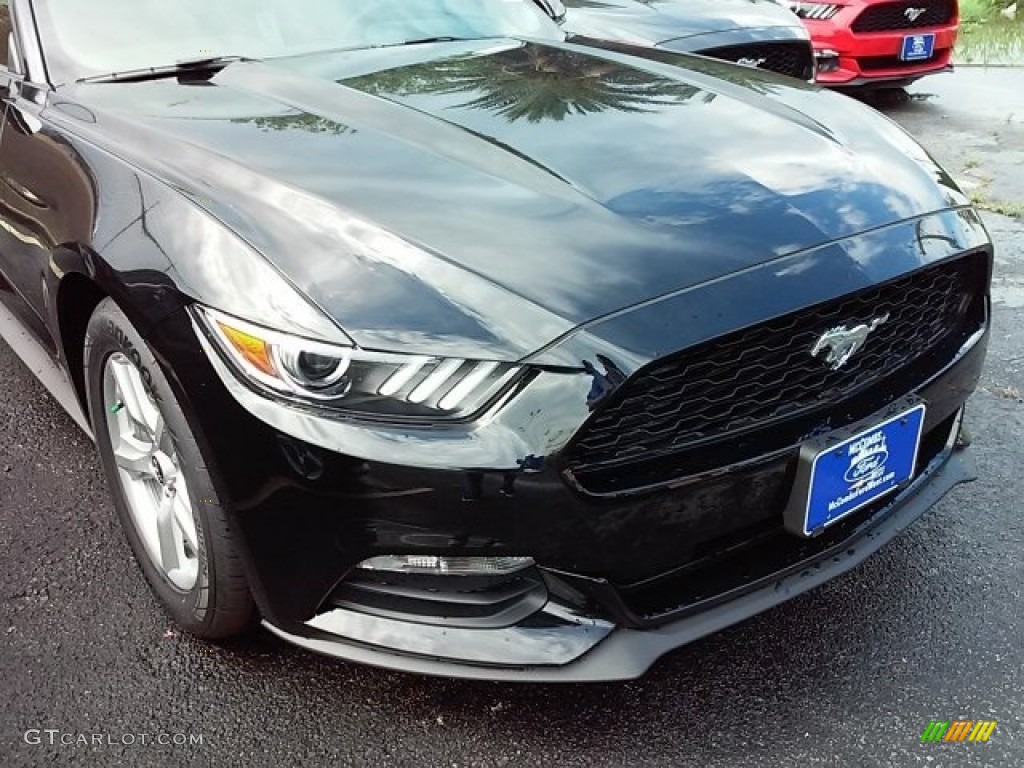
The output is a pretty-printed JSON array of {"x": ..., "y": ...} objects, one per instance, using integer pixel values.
[{"x": 931, "y": 628}]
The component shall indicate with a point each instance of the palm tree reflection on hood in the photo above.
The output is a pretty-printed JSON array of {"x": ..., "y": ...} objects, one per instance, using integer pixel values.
[
  {"x": 309, "y": 123},
  {"x": 533, "y": 83}
]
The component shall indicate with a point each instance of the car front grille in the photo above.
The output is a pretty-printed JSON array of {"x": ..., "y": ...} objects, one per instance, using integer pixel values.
[
  {"x": 759, "y": 388},
  {"x": 896, "y": 16},
  {"x": 792, "y": 59}
]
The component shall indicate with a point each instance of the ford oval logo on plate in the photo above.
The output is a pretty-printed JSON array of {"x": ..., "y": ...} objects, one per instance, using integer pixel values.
[{"x": 864, "y": 468}]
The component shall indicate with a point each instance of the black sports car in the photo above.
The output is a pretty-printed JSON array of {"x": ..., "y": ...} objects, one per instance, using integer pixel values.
[
  {"x": 756, "y": 33},
  {"x": 441, "y": 343}
]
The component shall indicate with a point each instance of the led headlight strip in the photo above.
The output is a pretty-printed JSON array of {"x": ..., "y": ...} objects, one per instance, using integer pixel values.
[{"x": 816, "y": 11}]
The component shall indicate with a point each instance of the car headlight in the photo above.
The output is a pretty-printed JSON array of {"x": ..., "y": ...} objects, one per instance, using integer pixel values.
[
  {"x": 355, "y": 380},
  {"x": 816, "y": 11}
]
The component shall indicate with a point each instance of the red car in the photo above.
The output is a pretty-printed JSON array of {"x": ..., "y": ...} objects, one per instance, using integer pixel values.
[{"x": 880, "y": 42}]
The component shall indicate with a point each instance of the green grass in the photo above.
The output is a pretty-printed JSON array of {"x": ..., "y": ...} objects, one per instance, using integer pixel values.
[
  {"x": 986, "y": 37},
  {"x": 1002, "y": 207}
]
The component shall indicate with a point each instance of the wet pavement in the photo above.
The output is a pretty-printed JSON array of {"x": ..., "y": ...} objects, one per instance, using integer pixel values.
[
  {"x": 930, "y": 628},
  {"x": 973, "y": 122}
]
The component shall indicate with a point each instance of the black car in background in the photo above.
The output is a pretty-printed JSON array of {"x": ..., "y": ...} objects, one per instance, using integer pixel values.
[
  {"x": 756, "y": 33},
  {"x": 441, "y": 342}
]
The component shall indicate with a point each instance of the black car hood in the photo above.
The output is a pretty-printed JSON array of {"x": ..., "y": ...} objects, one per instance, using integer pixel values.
[
  {"x": 484, "y": 198},
  {"x": 651, "y": 22}
]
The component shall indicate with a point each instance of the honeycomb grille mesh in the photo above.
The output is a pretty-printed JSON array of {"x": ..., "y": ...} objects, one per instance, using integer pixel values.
[
  {"x": 897, "y": 16},
  {"x": 792, "y": 59}
]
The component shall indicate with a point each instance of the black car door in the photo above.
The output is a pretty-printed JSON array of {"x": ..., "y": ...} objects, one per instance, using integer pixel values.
[{"x": 47, "y": 199}]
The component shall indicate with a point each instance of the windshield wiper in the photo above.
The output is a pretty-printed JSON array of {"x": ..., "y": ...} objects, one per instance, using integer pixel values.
[
  {"x": 200, "y": 68},
  {"x": 421, "y": 40}
]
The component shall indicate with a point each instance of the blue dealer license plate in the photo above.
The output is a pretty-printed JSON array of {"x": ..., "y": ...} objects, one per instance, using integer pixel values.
[
  {"x": 918, "y": 47},
  {"x": 862, "y": 468}
]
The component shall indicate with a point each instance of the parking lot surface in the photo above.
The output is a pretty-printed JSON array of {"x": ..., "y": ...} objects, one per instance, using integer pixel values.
[{"x": 931, "y": 628}]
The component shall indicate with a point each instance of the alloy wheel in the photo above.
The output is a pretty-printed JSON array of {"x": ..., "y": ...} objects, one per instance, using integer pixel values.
[{"x": 148, "y": 467}]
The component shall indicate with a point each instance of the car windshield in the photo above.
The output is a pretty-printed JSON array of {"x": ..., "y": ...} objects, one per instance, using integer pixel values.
[{"x": 83, "y": 38}]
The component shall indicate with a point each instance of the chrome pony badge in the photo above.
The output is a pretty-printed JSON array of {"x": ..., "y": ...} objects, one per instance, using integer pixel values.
[
  {"x": 750, "y": 61},
  {"x": 841, "y": 343},
  {"x": 913, "y": 14}
]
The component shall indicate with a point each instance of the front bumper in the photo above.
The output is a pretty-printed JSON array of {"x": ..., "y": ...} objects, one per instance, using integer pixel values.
[
  {"x": 579, "y": 649},
  {"x": 862, "y": 59}
]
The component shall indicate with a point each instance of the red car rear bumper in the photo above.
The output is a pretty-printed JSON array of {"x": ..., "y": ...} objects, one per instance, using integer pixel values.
[{"x": 874, "y": 56}]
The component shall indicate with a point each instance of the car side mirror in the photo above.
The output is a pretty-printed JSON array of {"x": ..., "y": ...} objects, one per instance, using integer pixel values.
[{"x": 553, "y": 8}]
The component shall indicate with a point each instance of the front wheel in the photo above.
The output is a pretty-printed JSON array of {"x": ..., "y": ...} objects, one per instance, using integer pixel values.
[{"x": 162, "y": 489}]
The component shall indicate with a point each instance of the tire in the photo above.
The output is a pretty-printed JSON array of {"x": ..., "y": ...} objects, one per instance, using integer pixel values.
[{"x": 162, "y": 488}]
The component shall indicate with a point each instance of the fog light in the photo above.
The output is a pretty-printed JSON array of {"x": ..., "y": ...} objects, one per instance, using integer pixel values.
[
  {"x": 827, "y": 61},
  {"x": 456, "y": 566}
]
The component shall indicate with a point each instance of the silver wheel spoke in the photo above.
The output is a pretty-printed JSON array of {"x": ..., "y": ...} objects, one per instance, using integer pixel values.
[
  {"x": 137, "y": 405},
  {"x": 185, "y": 523},
  {"x": 158, "y": 430},
  {"x": 165, "y": 524},
  {"x": 133, "y": 455}
]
